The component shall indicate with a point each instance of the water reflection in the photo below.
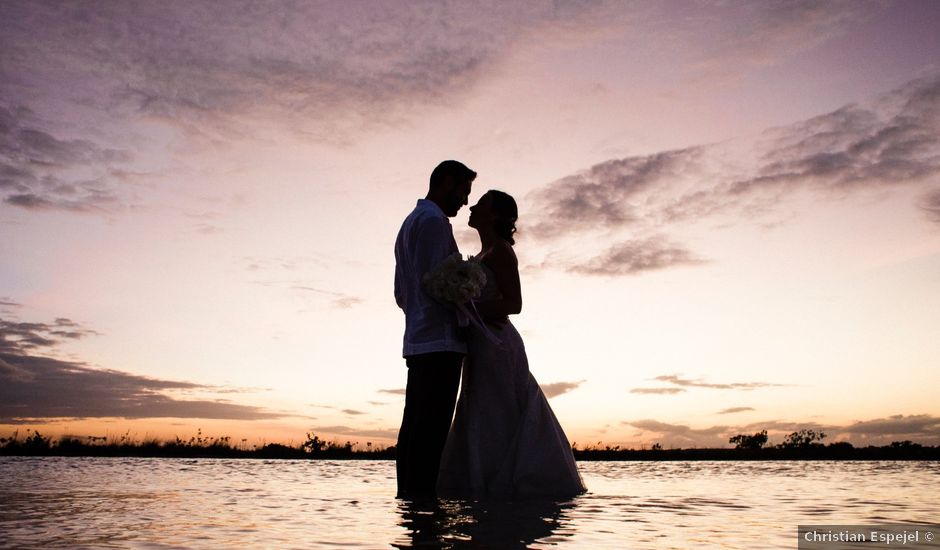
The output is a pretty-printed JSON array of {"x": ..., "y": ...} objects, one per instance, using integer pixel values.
[
  {"x": 56, "y": 502},
  {"x": 464, "y": 524}
]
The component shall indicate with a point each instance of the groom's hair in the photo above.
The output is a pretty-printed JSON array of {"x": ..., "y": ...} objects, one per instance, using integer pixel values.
[{"x": 450, "y": 169}]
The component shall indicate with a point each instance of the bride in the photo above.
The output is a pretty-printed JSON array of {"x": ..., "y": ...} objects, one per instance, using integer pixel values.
[{"x": 505, "y": 441}]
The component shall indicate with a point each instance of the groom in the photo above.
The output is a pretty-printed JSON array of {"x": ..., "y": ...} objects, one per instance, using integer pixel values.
[{"x": 433, "y": 347}]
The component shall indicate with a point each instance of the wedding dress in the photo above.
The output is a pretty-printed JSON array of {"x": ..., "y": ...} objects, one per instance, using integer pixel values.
[{"x": 505, "y": 442}]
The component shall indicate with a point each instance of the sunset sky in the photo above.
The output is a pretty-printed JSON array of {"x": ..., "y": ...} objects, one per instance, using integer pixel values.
[{"x": 729, "y": 211}]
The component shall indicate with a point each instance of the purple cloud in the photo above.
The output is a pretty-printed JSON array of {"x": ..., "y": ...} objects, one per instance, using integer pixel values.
[
  {"x": 922, "y": 428},
  {"x": 327, "y": 71},
  {"x": 931, "y": 205},
  {"x": 637, "y": 256},
  {"x": 767, "y": 33},
  {"x": 888, "y": 143},
  {"x": 36, "y": 388}
]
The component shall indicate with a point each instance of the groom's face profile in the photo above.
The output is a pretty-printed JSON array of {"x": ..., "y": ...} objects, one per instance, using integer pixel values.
[{"x": 458, "y": 193}]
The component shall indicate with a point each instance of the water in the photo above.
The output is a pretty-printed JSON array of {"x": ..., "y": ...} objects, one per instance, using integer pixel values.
[{"x": 208, "y": 503}]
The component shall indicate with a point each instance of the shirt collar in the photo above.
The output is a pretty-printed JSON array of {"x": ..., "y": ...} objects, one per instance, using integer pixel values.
[{"x": 431, "y": 205}]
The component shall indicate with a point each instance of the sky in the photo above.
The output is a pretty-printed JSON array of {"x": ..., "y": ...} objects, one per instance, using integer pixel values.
[{"x": 729, "y": 212}]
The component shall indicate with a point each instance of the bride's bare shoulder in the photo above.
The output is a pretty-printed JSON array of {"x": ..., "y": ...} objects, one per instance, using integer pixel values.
[{"x": 500, "y": 252}]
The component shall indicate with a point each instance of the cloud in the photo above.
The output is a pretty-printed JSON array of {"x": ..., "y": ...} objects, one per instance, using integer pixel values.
[
  {"x": 602, "y": 195},
  {"x": 328, "y": 72},
  {"x": 389, "y": 433},
  {"x": 767, "y": 33},
  {"x": 347, "y": 61},
  {"x": 352, "y": 412},
  {"x": 930, "y": 204},
  {"x": 657, "y": 391},
  {"x": 686, "y": 382},
  {"x": 338, "y": 299},
  {"x": 784, "y": 427},
  {"x": 733, "y": 410},
  {"x": 856, "y": 147},
  {"x": 888, "y": 143},
  {"x": 294, "y": 273},
  {"x": 557, "y": 388},
  {"x": 40, "y": 171},
  {"x": 13, "y": 372},
  {"x": 681, "y": 384},
  {"x": 290, "y": 264},
  {"x": 41, "y": 387},
  {"x": 396, "y": 391},
  {"x": 680, "y": 435},
  {"x": 346, "y": 302},
  {"x": 922, "y": 428},
  {"x": 327, "y": 69},
  {"x": 35, "y": 387},
  {"x": 637, "y": 256},
  {"x": 22, "y": 337},
  {"x": 657, "y": 426}
]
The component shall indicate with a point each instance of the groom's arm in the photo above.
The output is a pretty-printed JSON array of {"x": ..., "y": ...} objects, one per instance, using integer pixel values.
[{"x": 433, "y": 243}]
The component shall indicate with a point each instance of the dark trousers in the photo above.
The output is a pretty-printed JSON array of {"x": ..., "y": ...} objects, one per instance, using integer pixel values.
[{"x": 433, "y": 379}]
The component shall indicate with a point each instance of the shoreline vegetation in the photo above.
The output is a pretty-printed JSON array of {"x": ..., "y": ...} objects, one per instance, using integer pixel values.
[{"x": 802, "y": 445}]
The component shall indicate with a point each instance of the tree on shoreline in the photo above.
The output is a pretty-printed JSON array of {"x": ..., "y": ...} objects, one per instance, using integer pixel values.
[
  {"x": 799, "y": 445},
  {"x": 802, "y": 439},
  {"x": 755, "y": 441}
]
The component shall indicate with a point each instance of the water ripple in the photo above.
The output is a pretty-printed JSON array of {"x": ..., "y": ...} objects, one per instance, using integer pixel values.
[{"x": 172, "y": 503}]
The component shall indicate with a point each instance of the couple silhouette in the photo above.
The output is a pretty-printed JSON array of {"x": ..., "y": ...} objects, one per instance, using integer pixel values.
[{"x": 503, "y": 442}]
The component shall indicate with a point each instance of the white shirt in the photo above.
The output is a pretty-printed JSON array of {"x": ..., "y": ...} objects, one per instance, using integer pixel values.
[{"x": 424, "y": 241}]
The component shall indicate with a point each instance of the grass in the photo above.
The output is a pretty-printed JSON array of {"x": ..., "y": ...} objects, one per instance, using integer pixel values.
[
  {"x": 199, "y": 446},
  {"x": 834, "y": 451}
]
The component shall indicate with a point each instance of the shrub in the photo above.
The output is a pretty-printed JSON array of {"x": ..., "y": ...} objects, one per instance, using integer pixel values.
[{"x": 755, "y": 441}]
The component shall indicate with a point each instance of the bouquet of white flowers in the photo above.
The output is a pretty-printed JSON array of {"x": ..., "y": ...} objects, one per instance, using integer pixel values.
[
  {"x": 458, "y": 281},
  {"x": 455, "y": 280}
]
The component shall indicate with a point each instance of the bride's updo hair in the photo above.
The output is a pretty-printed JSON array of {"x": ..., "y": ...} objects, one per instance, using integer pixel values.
[{"x": 504, "y": 206}]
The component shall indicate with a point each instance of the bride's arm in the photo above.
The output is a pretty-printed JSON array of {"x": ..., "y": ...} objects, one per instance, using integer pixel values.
[{"x": 505, "y": 268}]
